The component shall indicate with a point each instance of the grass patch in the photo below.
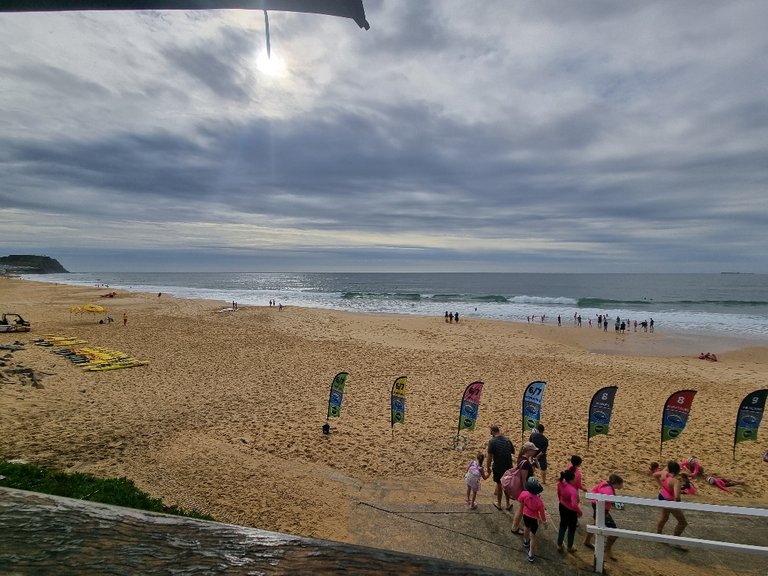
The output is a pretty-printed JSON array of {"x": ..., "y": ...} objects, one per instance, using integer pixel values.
[{"x": 116, "y": 491}]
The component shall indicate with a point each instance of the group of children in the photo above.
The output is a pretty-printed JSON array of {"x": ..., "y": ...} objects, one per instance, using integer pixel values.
[
  {"x": 677, "y": 479},
  {"x": 673, "y": 480},
  {"x": 688, "y": 470},
  {"x": 534, "y": 511}
]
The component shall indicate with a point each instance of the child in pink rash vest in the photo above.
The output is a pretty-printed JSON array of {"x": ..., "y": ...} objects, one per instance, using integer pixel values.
[
  {"x": 614, "y": 482},
  {"x": 570, "y": 511},
  {"x": 533, "y": 511},
  {"x": 691, "y": 467},
  {"x": 723, "y": 483},
  {"x": 575, "y": 465}
]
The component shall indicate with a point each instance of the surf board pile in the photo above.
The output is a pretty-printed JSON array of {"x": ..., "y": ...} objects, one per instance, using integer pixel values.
[{"x": 89, "y": 358}]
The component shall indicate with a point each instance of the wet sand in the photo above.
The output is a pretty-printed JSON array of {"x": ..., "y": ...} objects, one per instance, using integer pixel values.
[{"x": 226, "y": 417}]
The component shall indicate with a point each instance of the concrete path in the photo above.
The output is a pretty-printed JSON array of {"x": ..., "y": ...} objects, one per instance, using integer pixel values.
[
  {"x": 41, "y": 534},
  {"x": 483, "y": 537}
]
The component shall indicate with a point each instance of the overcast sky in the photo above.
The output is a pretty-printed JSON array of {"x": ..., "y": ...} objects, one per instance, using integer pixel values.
[{"x": 453, "y": 136}]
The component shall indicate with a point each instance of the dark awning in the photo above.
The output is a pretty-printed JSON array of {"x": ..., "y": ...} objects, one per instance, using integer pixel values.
[{"x": 345, "y": 8}]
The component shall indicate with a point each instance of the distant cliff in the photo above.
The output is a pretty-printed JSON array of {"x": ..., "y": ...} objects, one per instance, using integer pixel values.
[{"x": 27, "y": 264}]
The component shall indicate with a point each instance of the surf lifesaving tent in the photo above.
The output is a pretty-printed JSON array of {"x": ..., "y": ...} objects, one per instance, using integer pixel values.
[{"x": 344, "y": 8}]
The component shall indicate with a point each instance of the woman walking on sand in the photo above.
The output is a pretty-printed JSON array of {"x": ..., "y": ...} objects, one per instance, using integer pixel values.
[
  {"x": 525, "y": 464},
  {"x": 671, "y": 487}
]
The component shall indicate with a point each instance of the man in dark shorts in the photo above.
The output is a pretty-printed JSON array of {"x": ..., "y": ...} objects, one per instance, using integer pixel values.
[
  {"x": 542, "y": 443},
  {"x": 499, "y": 460}
]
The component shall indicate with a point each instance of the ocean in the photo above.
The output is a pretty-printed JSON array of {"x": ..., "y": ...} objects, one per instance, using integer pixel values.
[{"x": 734, "y": 305}]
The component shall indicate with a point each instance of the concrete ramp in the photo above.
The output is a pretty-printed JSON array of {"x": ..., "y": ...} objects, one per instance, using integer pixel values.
[
  {"x": 42, "y": 534},
  {"x": 432, "y": 519}
]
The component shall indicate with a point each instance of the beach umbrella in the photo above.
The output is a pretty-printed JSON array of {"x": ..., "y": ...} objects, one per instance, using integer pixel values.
[{"x": 88, "y": 308}]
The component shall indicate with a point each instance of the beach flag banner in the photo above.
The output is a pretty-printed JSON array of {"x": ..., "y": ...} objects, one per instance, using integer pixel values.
[
  {"x": 749, "y": 417},
  {"x": 675, "y": 415},
  {"x": 398, "y": 400},
  {"x": 600, "y": 410},
  {"x": 532, "y": 399},
  {"x": 337, "y": 394},
  {"x": 470, "y": 406}
]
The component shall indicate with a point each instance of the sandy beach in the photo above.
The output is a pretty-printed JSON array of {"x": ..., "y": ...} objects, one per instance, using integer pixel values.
[{"x": 226, "y": 417}]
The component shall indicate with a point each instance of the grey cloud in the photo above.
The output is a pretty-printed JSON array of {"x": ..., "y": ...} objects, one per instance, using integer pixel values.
[
  {"x": 440, "y": 120},
  {"x": 67, "y": 85},
  {"x": 215, "y": 64}
]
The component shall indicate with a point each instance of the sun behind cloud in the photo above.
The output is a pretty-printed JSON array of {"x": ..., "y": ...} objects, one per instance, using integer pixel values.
[{"x": 271, "y": 66}]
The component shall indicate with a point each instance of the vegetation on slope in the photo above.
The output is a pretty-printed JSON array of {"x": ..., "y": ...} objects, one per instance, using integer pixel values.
[
  {"x": 116, "y": 491},
  {"x": 29, "y": 264}
]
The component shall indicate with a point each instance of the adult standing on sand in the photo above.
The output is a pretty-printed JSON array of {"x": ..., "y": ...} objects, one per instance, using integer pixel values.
[
  {"x": 125, "y": 318},
  {"x": 542, "y": 443},
  {"x": 525, "y": 463},
  {"x": 499, "y": 460}
]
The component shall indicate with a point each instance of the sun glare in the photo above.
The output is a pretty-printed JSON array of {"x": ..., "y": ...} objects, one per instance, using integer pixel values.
[{"x": 273, "y": 66}]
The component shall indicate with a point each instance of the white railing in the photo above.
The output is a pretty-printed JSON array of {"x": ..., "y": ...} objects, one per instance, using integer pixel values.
[{"x": 601, "y": 531}]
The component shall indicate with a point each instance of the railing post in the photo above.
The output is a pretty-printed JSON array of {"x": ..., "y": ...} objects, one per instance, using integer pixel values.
[{"x": 599, "y": 538}]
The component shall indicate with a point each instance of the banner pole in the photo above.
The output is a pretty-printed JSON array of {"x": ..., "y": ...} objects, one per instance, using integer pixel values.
[{"x": 522, "y": 411}]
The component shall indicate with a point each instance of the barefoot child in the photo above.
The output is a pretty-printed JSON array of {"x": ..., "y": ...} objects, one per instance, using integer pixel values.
[
  {"x": 692, "y": 467},
  {"x": 475, "y": 472},
  {"x": 671, "y": 488},
  {"x": 723, "y": 483},
  {"x": 533, "y": 511}
]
